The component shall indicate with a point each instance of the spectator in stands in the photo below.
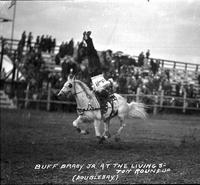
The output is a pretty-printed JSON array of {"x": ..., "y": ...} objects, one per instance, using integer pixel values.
[
  {"x": 167, "y": 74},
  {"x": 156, "y": 82},
  {"x": 37, "y": 42},
  {"x": 122, "y": 84},
  {"x": 166, "y": 86},
  {"x": 106, "y": 58},
  {"x": 131, "y": 84},
  {"x": 69, "y": 66},
  {"x": 19, "y": 50},
  {"x": 148, "y": 54},
  {"x": 64, "y": 70},
  {"x": 139, "y": 81},
  {"x": 104, "y": 62},
  {"x": 41, "y": 45},
  {"x": 45, "y": 43},
  {"x": 23, "y": 39},
  {"x": 141, "y": 59},
  {"x": 61, "y": 50},
  {"x": 198, "y": 78},
  {"x": 54, "y": 79},
  {"x": 57, "y": 59},
  {"x": 153, "y": 66},
  {"x": 191, "y": 91},
  {"x": 48, "y": 44},
  {"x": 116, "y": 60},
  {"x": 136, "y": 74},
  {"x": 29, "y": 41},
  {"x": 53, "y": 45},
  {"x": 72, "y": 65},
  {"x": 146, "y": 64},
  {"x": 132, "y": 61},
  {"x": 70, "y": 50},
  {"x": 157, "y": 65},
  {"x": 178, "y": 88}
]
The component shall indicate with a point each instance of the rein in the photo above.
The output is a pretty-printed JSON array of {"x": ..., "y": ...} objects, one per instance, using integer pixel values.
[
  {"x": 75, "y": 93},
  {"x": 81, "y": 111}
]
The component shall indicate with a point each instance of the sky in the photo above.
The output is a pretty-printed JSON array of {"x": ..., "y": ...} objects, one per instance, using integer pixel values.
[{"x": 169, "y": 28}]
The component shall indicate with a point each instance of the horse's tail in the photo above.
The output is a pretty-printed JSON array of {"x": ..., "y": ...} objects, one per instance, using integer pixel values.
[{"x": 137, "y": 110}]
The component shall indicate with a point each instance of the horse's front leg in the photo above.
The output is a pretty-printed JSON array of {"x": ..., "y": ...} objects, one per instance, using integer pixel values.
[
  {"x": 97, "y": 124},
  {"x": 76, "y": 123},
  {"x": 106, "y": 133}
]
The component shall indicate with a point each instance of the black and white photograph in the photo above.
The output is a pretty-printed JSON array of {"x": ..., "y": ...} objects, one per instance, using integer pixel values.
[{"x": 100, "y": 92}]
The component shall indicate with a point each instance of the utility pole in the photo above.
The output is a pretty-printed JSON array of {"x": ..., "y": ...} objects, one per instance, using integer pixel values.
[
  {"x": 13, "y": 3},
  {"x": 13, "y": 74},
  {"x": 2, "y": 52},
  {"x": 13, "y": 25}
]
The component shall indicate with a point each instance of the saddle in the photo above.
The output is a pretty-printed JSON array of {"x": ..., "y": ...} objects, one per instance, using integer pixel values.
[{"x": 104, "y": 98}]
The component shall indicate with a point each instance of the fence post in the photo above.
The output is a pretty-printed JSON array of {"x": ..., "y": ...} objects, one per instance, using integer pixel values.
[
  {"x": 26, "y": 97},
  {"x": 138, "y": 95},
  {"x": 185, "y": 67},
  {"x": 49, "y": 97},
  {"x": 155, "y": 107},
  {"x": 37, "y": 103},
  {"x": 174, "y": 65},
  {"x": 162, "y": 64},
  {"x": 184, "y": 100},
  {"x": 161, "y": 98}
]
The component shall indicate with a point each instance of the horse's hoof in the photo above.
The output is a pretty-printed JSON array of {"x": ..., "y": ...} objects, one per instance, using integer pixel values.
[
  {"x": 107, "y": 134},
  {"x": 117, "y": 139},
  {"x": 86, "y": 132},
  {"x": 101, "y": 139},
  {"x": 78, "y": 130}
]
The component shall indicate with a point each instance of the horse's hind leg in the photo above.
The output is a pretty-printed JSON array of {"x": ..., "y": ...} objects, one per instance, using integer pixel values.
[
  {"x": 97, "y": 124},
  {"x": 106, "y": 133},
  {"x": 76, "y": 125},
  {"x": 122, "y": 125}
]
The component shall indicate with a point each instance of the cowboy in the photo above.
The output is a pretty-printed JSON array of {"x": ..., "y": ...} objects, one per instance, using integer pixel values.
[
  {"x": 92, "y": 55},
  {"x": 103, "y": 90}
]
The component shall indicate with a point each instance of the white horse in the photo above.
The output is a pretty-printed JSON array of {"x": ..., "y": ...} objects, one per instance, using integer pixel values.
[{"x": 89, "y": 110}]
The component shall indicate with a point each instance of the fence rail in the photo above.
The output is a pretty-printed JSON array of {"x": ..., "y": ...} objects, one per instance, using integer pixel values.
[{"x": 158, "y": 101}]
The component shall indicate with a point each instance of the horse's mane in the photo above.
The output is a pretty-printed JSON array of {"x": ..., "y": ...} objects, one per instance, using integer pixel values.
[{"x": 85, "y": 88}]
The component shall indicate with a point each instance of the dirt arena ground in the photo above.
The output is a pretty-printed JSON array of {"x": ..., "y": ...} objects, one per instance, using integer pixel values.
[{"x": 33, "y": 138}]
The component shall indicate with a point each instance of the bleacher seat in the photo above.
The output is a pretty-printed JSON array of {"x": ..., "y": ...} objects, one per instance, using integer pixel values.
[
  {"x": 50, "y": 65},
  {"x": 5, "y": 101}
]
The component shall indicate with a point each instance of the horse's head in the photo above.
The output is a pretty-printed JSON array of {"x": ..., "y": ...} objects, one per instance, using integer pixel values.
[{"x": 67, "y": 87}]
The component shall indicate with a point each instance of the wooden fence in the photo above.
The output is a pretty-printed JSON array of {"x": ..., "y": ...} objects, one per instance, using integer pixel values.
[{"x": 157, "y": 101}]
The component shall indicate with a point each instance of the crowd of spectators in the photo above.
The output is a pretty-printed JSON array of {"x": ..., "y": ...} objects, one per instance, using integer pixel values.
[
  {"x": 130, "y": 74},
  {"x": 45, "y": 43},
  {"x": 42, "y": 44},
  {"x": 66, "y": 49}
]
